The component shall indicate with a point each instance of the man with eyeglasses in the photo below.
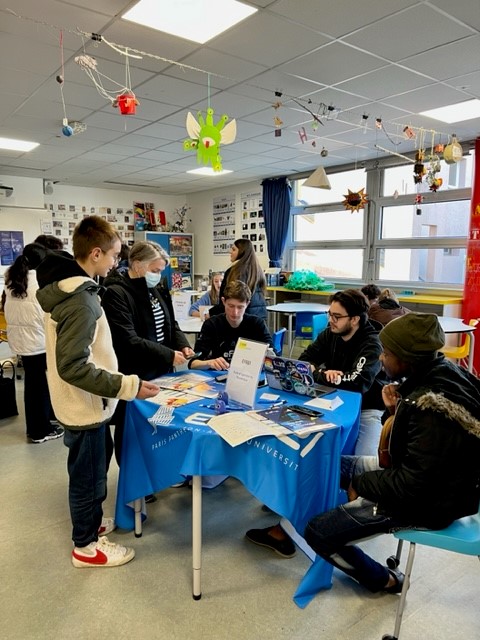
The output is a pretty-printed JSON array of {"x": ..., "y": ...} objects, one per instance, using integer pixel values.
[{"x": 344, "y": 355}]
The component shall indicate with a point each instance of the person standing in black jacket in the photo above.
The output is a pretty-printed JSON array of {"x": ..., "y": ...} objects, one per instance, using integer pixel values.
[
  {"x": 146, "y": 337},
  {"x": 433, "y": 476}
]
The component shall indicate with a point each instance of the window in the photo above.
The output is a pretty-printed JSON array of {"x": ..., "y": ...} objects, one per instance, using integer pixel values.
[
  {"x": 331, "y": 263},
  {"x": 395, "y": 239}
]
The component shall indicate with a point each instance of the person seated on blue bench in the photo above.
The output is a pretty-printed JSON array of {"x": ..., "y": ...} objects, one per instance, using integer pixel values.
[
  {"x": 219, "y": 334},
  {"x": 432, "y": 474}
]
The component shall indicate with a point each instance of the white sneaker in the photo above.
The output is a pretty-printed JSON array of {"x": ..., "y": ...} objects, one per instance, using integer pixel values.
[
  {"x": 108, "y": 525},
  {"x": 102, "y": 553}
]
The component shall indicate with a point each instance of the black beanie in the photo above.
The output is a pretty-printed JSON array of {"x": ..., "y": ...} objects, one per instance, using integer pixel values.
[{"x": 413, "y": 337}]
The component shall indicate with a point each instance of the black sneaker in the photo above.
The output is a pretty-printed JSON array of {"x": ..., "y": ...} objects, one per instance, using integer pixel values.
[
  {"x": 284, "y": 548},
  {"x": 53, "y": 435},
  {"x": 399, "y": 579}
]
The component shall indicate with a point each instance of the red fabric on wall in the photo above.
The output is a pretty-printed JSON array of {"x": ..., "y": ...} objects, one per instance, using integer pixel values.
[{"x": 471, "y": 294}]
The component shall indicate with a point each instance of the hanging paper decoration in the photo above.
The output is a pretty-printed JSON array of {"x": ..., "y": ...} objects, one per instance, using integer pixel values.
[
  {"x": 418, "y": 202},
  {"x": 206, "y": 137},
  {"x": 453, "y": 152},
  {"x": 127, "y": 103},
  {"x": 419, "y": 168},
  {"x": 355, "y": 200}
]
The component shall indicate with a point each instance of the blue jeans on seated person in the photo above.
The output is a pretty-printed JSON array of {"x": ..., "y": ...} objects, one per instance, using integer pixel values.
[
  {"x": 369, "y": 432},
  {"x": 88, "y": 482},
  {"x": 331, "y": 534}
]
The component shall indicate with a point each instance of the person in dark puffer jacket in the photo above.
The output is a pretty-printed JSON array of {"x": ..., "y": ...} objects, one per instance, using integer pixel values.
[{"x": 434, "y": 475}]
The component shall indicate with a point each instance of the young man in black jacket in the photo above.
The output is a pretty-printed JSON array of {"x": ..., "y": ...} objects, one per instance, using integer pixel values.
[
  {"x": 346, "y": 355},
  {"x": 218, "y": 337},
  {"x": 433, "y": 477}
]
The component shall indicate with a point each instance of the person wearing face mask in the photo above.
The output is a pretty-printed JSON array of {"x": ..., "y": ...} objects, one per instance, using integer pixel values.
[{"x": 139, "y": 310}]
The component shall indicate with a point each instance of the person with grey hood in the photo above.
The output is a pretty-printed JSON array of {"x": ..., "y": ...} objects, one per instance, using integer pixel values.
[{"x": 433, "y": 475}]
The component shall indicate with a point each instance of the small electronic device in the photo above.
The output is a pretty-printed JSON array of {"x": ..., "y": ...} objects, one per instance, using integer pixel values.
[
  {"x": 194, "y": 355},
  {"x": 222, "y": 378},
  {"x": 307, "y": 411}
]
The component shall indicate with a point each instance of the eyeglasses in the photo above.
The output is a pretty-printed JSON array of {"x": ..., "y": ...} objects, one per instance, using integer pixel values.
[{"x": 335, "y": 317}]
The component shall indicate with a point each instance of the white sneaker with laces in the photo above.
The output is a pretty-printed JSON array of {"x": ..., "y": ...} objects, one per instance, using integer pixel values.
[
  {"x": 101, "y": 553},
  {"x": 108, "y": 525}
]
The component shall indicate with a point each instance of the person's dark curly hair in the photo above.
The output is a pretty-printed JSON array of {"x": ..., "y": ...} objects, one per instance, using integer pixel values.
[
  {"x": 371, "y": 291},
  {"x": 353, "y": 301}
]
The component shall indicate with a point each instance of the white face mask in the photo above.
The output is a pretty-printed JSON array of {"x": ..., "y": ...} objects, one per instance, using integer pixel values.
[{"x": 152, "y": 279}]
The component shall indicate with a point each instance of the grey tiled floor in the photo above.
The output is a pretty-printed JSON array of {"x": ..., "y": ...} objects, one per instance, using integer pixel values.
[{"x": 247, "y": 590}]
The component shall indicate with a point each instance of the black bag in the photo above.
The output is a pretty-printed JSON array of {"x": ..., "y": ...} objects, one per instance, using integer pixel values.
[{"x": 8, "y": 399}]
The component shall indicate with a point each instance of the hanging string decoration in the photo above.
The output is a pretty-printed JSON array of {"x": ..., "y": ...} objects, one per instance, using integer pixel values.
[
  {"x": 434, "y": 182},
  {"x": 123, "y": 98},
  {"x": 206, "y": 137},
  {"x": 355, "y": 200}
]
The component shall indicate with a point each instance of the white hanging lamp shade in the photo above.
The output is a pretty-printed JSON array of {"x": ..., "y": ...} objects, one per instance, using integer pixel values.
[{"x": 318, "y": 179}]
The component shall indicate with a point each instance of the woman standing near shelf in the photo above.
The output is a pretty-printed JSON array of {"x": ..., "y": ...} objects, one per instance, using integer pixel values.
[
  {"x": 209, "y": 298},
  {"x": 246, "y": 268}
]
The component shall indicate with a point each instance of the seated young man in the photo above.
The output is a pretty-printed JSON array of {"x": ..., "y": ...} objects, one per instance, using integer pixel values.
[
  {"x": 218, "y": 337},
  {"x": 433, "y": 475}
]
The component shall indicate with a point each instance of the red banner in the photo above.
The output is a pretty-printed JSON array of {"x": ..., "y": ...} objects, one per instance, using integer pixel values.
[{"x": 471, "y": 292}]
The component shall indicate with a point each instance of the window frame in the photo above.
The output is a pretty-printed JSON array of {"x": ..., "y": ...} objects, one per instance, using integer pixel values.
[{"x": 371, "y": 242}]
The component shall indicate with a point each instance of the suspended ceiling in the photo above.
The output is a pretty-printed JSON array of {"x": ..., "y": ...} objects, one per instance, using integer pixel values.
[{"x": 385, "y": 60}]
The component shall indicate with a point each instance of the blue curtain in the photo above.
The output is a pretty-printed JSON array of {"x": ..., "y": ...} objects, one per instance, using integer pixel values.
[{"x": 276, "y": 213}]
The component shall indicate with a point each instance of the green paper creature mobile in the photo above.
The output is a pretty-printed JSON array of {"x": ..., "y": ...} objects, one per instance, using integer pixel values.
[{"x": 207, "y": 137}]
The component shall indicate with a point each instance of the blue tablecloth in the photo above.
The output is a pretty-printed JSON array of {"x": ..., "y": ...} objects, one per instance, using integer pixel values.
[{"x": 296, "y": 477}]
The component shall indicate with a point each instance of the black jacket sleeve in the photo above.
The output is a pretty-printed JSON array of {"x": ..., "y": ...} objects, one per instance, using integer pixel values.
[{"x": 135, "y": 353}]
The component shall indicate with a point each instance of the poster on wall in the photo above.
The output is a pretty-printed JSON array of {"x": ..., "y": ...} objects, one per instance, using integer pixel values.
[
  {"x": 11, "y": 246},
  {"x": 253, "y": 224},
  {"x": 223, "y": 224}
]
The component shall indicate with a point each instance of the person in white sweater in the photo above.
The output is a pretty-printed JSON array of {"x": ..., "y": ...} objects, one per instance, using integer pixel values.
[{"x": 26, "y": 338}]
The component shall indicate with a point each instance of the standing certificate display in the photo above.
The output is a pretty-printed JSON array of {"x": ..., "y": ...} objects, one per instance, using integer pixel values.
[{"x": 244, "y": 372}]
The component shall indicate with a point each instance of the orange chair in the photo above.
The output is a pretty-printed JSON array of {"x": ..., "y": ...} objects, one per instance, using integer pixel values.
[{"x": 462, "y": 352}]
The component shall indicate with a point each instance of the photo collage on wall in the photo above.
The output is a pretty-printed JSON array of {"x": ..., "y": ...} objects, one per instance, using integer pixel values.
[
  {"x": 66, "y": 217},
  {"x": 223, "y": 224},
  {"x": 253, "y": 223}
]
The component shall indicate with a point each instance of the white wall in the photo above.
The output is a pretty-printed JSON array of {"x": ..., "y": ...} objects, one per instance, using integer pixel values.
[
  {"x": 28, "y": 193},
  {"x": 201, "y": 213},
  {"x": 63, "y": 194}
]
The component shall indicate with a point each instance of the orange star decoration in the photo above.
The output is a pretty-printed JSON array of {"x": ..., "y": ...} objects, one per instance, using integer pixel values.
[{"x": 355, "y": 200}]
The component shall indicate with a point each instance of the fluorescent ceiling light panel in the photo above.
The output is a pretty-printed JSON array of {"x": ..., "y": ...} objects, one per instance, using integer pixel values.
[
  {"x": 197, "y": 20},
  {"x": 455, "y": 112},
  {"x": 17, "y": 145},
  {"x": 208, "y": 171}
]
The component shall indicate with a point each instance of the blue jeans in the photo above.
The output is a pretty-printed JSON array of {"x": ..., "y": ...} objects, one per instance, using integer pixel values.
[
  {"x": 330, "y": 534},
  {"x": 88, "y": 482},
  {"x": 368, "y": 432}
]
